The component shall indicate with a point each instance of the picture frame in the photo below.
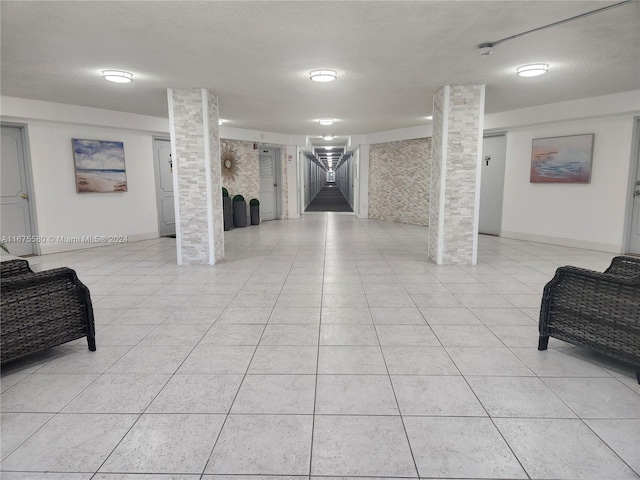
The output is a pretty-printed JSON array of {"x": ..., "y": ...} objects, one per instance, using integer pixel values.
[
  {"x": 565, "y": 159},
  {"x": 99, "y": 166}
]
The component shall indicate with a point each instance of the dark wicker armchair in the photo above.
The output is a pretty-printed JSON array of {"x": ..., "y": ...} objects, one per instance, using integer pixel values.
[
  {"x": 41, "y": 310},
  {"x": 597, "y": 310}
]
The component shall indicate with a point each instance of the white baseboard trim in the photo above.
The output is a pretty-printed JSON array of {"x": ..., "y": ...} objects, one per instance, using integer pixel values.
[
  {"x": 564, "y": 242},
  {"x": 60, "y": 247}
]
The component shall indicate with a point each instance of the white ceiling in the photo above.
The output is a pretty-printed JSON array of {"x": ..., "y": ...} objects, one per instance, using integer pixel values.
[{"x": 391, "y": 56}]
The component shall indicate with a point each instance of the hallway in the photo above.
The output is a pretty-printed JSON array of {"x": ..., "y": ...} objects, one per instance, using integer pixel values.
[
  {"x": 329, "y": 199},
  {"x": 323, "y": 346}
]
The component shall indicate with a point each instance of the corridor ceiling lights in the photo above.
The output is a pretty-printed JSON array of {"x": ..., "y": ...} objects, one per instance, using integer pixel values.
[
  {"x": 532, "y": 70},
  {"x": 323, "y": 75},
  {"x": 328, "y": 138},
  {"x": 117, "y": 76},
  {"x": 326, "y": 121}
]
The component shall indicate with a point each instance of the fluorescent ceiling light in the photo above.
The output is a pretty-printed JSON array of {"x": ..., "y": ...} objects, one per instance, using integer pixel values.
[
  {"x": 323, "y": 75},
  {"x": 221, "y": 121},
  {"x": 328, "y": 148},
  {"x": 328, "y": 138},
  {"x": 430, "y": 117},
  {"x": 117, "y": 76},
  {"x": 325, "y": 121},
  {"x": 532, "y": 70}
]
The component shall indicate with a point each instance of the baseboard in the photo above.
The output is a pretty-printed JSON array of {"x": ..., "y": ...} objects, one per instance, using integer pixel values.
[
  {"x": 76, "y": 243},
  {"x": 564, "y": 242}
]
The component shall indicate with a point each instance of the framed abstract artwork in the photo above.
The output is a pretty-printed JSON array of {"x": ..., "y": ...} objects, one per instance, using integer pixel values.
[
  {"x": 562, "y": 159},
  {"x": 99, "y": 166}
]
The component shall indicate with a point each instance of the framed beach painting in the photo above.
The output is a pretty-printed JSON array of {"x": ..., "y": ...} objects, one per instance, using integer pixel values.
[
  {"x": 99, "y": 166},
  {"x": 562, "y": 159}
]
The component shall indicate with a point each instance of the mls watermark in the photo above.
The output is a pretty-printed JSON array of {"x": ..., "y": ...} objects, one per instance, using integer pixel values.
[{"x": 95, "y": 239}]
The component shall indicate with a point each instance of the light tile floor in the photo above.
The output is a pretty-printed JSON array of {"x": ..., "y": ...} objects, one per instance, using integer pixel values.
[{"x": 327, "y": 347}]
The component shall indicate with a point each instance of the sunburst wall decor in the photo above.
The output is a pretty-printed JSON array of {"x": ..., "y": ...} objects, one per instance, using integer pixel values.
[{"x": 228, "y": 157}]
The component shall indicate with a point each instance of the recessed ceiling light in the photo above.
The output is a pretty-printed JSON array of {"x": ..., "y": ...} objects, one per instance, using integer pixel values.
[
  {"x": 323, "y": 75},
  {"x": 117, "y": 76},
  {"x": 532, "y": 70},
  {"x": 326, "y": 121},
  {"x": 430, "y": 117},
  {"x": 328, "y": 148},
  {"x": 328, "y": 138}
]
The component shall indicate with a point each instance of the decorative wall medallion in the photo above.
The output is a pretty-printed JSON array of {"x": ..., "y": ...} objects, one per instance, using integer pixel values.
[{"x": 228, "y": 156}]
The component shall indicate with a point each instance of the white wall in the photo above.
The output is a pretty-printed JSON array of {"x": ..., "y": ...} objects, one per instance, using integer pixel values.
[
  {"x": 582, "y": 215},
  {"x": 60, "y": 211}
]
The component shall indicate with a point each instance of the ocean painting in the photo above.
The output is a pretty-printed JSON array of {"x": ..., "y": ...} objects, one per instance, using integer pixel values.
[
  {"x": 99, "y": 166},
  {"x": 562, "y": 159}
]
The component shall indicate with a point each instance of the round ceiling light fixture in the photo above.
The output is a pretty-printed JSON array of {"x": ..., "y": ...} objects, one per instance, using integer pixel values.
[
  {"x": 323, "y": 75},
  {"x": 325, "y": 121},
  {"x": 532, "y": 70},
  {"x": 328, "y": 138},
  {"x": 117, "y": 76}
]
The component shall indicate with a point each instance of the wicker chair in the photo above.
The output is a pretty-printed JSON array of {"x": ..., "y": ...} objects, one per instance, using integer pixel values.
[
  {"x": 597, "y": 310},
  {"x": 41, "y": 310}
]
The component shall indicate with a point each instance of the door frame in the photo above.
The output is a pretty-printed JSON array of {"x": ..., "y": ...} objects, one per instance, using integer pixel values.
[
  {"x": 490, "y": 135},
  {"x": 156, "y": 175},
  {"x": 28, "y": 173},
  {"x": 277, "y": 154},
  {"x": 634, "y": 167}
]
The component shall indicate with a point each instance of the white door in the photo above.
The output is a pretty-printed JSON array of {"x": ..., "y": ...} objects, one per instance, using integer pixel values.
[
  {"x": 268, "y": 184},
  {"x": 15, "y": 223},
  {"x": 634, "y": 240},
  {"x": 492, "y": 184},
  {"x": 164, "y": 186}
]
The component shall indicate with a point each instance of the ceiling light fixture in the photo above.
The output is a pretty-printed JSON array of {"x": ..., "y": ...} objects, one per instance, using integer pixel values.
[
  {"x": 117, "y": 76},
  {"x": 532, "y": 70},
  {"x": 325, "y": 121},
  {"x": 328, "y": 138},
  {"x": 221, "y": 121},
  {"x": 323, "y": 75},
  {"x": 328, "y": 148}
]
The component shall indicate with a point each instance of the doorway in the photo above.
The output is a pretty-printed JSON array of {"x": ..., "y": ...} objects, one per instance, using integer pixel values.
[
  {"x": 634, "y": 220},
  {"x": 269, "y": 170},
  {"x": 16, "y": 224},
  {"x": 164, "y": 187},
  {"x": 492, "y": 184}
]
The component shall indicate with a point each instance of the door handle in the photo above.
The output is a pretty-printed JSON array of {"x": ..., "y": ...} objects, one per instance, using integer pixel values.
[
  {"x": 636, "y": 193},
  {"x": 24, "y": 196}
]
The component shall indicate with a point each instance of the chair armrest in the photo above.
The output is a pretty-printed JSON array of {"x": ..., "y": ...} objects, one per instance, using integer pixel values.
[
  {"x": 16, "y": 266},
  {"x": 57, "y": 276},
  {"x": 47, "y": 289},
  {"x": 624, "y": 266},
  {"x": 600, "y": 297}
]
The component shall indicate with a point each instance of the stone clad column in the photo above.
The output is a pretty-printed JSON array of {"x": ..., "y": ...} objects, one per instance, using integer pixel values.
[
  {"x": 195, "y": 146},
  {"x": 456, "y": 149}
]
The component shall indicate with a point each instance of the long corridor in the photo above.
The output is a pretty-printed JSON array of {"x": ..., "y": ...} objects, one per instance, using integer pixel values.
[
  {"x": 327, "y": 346},
  {"x": 329, "y": 199}
]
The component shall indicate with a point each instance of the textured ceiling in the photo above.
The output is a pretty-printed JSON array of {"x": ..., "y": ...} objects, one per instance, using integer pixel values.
[{"x": 391, "y": 56}]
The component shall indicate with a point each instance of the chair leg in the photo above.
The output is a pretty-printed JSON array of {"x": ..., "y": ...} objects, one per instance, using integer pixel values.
[
  {"x": 543, "y": 342},
  {"x": 92, "y": 343}
]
